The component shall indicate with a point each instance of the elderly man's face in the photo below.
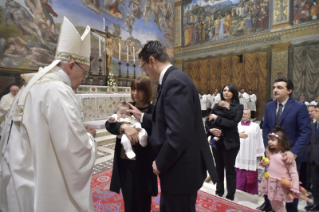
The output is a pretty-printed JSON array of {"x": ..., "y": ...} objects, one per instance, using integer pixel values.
[
  {"x": 14, "y": 90},
  {"x": 310, "y": 110},
  {"x": 246, "y": 115}
]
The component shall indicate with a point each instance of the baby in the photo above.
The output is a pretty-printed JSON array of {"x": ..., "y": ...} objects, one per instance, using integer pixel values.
[
  {"x": 221, "y": 109},
  {"x": 123, "y": 116}
]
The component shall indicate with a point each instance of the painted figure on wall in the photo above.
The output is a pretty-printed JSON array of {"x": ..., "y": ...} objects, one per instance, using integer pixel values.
[
  {"x": 30, "y": 28},
  {"x": 223, "y": 19},
  {"x": 305, "y": 10}
]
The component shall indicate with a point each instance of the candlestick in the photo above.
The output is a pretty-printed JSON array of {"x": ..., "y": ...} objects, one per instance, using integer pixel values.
[
  {"x": 100, "y": 47},
  {"x": 127, "y": 54},
  {"x": 100, "y": 72},
  {"x": 134, "y": 76},
  {"x": 133, "y": 55},
  {"x": 119, "y": 51},
  {"x": 103, "y": 25}
]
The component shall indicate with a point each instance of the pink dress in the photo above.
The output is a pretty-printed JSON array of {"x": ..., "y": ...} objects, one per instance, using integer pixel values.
[{"x": 277, "y": 170}]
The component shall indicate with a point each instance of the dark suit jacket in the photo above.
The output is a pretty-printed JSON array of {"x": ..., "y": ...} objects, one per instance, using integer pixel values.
[
  {"x": 294, "y": 121},
  {"x": 228, "y": 126},
  {"x": 147, "y": 180},
  {"x": 178, "y": 135},
  {"x": 313, "y": 148}
]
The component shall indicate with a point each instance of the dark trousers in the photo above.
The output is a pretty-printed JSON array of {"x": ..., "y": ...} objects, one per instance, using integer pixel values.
[
  {"x": 305, "y": 175},
  {"x": 204, "y": 113},
  {"x": 225, "y": 159},
  {"x": 292, "y": 206},
  {"x": 315, "y": 182},
  {"x": 134, "y": 201},
  {"x": 178, "y": 202}
]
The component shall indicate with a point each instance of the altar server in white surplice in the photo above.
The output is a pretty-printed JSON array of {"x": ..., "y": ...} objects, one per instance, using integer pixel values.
[
  {"x": 251, "y": 104},
  {"x": 214, "y": 99},
  {"x": 203, "y": 106},
  {"x": 6, "y": 102},
  {"x": 47, "y": 155},
  {"x": 251, "y": 147},
  {"x": 243, "y": 98}
]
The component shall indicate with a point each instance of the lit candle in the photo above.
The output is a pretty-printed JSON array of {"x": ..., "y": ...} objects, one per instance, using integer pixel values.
[
  {"x": 133, "y": 54},
  {"x": 119, "y": 51},
  {"x": 100, "y": 47},
  {"x": 127, "y": 53}
]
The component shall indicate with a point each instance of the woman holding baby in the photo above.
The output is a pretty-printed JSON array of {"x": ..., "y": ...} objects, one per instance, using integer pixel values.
[
  {"x": 134, "y": 176},
  {"x": 224, "y": 127}
]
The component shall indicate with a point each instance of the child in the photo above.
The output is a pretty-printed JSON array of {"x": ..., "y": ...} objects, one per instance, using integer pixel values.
[
  {"x": 123, "y": 116},
  {"x": 277, "y": 170},
  {"x": 221, "y": 109}
]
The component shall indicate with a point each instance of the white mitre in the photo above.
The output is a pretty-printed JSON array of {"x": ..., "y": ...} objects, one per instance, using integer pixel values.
[{"x": 71, "y": 47}]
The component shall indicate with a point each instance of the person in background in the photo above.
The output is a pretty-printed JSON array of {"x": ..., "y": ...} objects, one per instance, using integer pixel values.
[
  {"x": 251, "y": 147},
  {"x": 5, "y": 104},
  {"x": 215, "y": 98},
  {"x": 293, "y": 117},
  {"x": 135, "y": 178},
  {"x": 226, "y": 152},
  {"x": 251, "y": 104},
  {"x": 203, "y": 105},
  {"x": 243, "y": 98},
  {"x": 313, "y": 159}
]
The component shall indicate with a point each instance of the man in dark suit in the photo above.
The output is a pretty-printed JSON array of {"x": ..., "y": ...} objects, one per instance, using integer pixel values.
[
  {"x": 313, "y": 159},
  {"x": 293, "y": 117},
  {"x": 177, "y": 132}
]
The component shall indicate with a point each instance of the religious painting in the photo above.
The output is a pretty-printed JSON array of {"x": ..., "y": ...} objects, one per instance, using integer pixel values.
[
  {"x": 206, "y": 21},
  {"x": 305, "y": 11},
  {"x": 281, "y": 12},
  {"x": 29, "y": 31}
]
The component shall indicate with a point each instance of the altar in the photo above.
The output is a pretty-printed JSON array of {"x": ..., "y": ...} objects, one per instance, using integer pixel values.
[{"x": 99, "y": 102}]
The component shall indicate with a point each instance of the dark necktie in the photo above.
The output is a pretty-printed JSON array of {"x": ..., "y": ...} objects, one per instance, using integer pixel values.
[{"x": 279, "y": 113}]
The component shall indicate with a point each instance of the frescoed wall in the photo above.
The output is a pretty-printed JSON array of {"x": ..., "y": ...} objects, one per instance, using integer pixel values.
[
  {"x": 206, "y": 21},
  {"x": 305, "y": 11},
  {"x": 29, "y": 29}
]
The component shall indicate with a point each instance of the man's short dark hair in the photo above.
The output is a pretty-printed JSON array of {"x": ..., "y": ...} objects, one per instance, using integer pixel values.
[
  {"x": 155, "y": 49},
  {"x": 317, "y": 105},
  {"x": 289, "y": 84}
]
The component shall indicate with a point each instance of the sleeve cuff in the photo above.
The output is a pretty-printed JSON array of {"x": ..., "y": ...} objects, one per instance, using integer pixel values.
[{"x": 141, "y": 119}]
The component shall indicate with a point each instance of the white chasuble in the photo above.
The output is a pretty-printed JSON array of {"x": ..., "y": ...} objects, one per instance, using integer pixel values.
[
  {"x": 47, "y": 162},
  {"x": 250, "y": 147}
]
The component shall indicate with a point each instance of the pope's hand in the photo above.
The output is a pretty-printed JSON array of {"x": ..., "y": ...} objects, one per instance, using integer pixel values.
[
  {"x": 155, "y": 170},
  {"x": 91, "y": 130}
]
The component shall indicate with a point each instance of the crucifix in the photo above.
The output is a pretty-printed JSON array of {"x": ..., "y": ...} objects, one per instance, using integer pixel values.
[{"x": 109, "y": 38}]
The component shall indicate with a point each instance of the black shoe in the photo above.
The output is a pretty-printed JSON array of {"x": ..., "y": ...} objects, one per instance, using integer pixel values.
[
  {"x": 314, "y": 208},
  {"x": 309, "y": 206},
  {"x": 218, "y": 194},
  {"x": 265, "y": 207}
]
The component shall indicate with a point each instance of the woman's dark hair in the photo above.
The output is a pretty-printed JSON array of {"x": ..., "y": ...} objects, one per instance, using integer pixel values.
[
  {"x": 143, "y": 84},
  {"x": 283, "y": 142},
  {"x": 234, "y": 91}
]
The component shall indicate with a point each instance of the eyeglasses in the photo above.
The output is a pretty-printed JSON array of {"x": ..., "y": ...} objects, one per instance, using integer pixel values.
[
  {"x": 143, "y": 65},
  {"x": 86, "y": 73}
]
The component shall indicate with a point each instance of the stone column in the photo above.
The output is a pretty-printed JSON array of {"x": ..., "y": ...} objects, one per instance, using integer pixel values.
[
  {"x": 279, "y": 60},
  {"x": 179, "y": 64},
  {"x": 178, "y": 24}
]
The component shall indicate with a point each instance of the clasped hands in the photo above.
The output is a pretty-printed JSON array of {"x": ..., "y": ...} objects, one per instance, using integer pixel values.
[{"x": 212, "y": 117}]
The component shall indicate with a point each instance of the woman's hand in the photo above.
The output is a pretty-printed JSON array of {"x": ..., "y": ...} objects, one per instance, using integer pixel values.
[
  {"x": 212, "y": 117},
  {"x": 215, "y": 132},
  {"x": 243, "y": 135},
  {"x": 131, "y": 133}
]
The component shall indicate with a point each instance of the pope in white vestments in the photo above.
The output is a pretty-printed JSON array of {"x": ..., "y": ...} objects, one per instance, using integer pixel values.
[
  {"x": 47, "y": 155},
  {"x": 251, "y": 147}
]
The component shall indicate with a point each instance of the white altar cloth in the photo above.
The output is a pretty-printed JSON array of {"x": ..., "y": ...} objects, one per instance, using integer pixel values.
[{"x": 100, "y": 106}]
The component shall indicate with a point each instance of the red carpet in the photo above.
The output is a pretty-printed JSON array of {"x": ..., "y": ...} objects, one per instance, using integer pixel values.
[{"x": 105, "y": 200}]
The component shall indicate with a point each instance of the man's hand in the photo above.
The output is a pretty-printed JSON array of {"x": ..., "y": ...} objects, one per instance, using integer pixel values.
[
  {"x": 288, "y": 158},
  {"x": 243, "y": 135},
  {"x": 155, "y": 170},
  {"x": 131, "y": 133},
  {"x": 136, "y": 112},
  {"x": 215, "y": 132},
  {"x": 90, "y": 130}
]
